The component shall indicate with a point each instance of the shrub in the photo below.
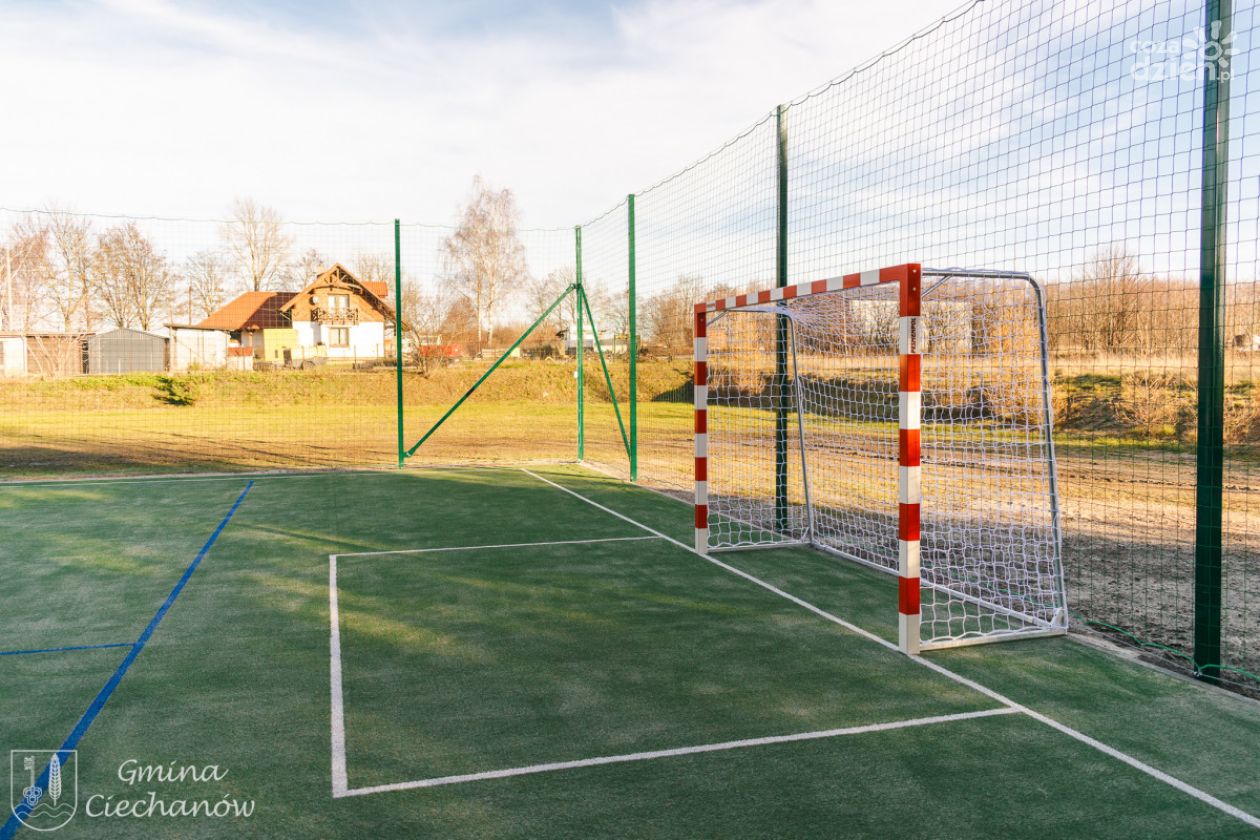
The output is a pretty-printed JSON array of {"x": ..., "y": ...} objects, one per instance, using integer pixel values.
[
  {"x": 1242, "y": 420},
  {"x": 1155, "y": 405},
  {"x": 178, "y": 390}
]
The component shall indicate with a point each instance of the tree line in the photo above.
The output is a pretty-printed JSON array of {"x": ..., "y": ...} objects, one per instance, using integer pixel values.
[
  {"x": 65, "y": 272},
  {"x": 60, "y": 271}
]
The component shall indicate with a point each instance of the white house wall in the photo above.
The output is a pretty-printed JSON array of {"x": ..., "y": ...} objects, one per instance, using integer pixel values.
[
  {"x": 198, "y": 348},
  {"x": 367, "y": 340},
  {"x": 307, "y": 334},
  {"x": 14, "y": 352}
]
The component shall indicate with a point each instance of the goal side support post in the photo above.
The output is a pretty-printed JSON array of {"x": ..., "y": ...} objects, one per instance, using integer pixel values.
[
  {"x": 909, "y": 449},
  {"x": 701, "y": 389}
]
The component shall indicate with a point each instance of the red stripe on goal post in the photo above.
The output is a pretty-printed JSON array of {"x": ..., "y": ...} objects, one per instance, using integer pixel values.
[
  {"x": 908, "y": 596},
  {"x": 908, "y": 454}
]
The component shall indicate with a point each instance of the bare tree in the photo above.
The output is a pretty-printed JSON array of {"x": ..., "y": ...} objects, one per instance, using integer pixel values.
[
  {"x": 307, "y": 267},
  {"x": 484, "y": 257},
  {"x": 1102, "y": 307},
  {"x": 374, "y": 268},
  {"x": 132, "y": 279},
  {"x": 424, "y": 315},
  {"x": 206, "y": 272},
  {"x": 256, "y": 240},
  {"x": 668, "y": 315},
  {"x": 71, "y": 292},
  {"x": 27, "y": 272},
  {"x": 610, "y": 308},
  {"x": 541, "y": 292}
]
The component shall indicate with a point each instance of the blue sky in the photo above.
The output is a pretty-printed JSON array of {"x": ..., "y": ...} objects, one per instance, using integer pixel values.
[{"x": 346, "y": 111}]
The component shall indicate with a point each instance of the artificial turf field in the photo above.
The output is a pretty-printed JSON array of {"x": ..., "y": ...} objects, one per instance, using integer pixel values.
[{"x": 586, "y": 676}]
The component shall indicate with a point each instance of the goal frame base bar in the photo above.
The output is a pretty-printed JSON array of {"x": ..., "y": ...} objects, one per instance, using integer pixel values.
[{"x": 909, "y": 279}]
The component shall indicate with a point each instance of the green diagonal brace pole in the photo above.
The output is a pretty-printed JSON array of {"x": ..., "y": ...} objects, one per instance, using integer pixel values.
[
  {"x": 493, "y": 368},
  {"x": 582, "y": 301}
]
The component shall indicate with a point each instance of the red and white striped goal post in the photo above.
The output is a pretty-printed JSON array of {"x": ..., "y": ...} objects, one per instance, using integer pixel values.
[{"x": 909, "y": 278}]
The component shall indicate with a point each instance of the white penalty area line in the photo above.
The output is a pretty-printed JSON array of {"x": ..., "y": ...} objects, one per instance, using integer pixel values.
[
  {"x": 500, "y": 545},
  {"x": 673, "y": 753},
  {"x": 340, "y": 781},
  {"x": 1172, "y": 781}
]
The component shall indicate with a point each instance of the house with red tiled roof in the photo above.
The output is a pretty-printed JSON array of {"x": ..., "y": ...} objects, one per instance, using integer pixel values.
[{"x": 335, "y": 316}]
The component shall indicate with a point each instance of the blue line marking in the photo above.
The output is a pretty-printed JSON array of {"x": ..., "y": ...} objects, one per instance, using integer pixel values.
[
  {"x": 72, "y": 741},
  {"x": 62, "y": 649}
]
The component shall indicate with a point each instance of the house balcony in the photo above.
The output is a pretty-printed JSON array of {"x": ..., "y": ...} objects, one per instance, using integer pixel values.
[{"x": 334, "y": 316}]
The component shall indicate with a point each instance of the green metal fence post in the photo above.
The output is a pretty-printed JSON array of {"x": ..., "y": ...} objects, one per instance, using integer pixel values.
[
  {"x": 1210, "y": 455},
  {"x": 632, "y": 343},
  {"x": 398, "y": 342},
  {"x": 581, "y": 375},
  {"x": 781, "y": 329}
]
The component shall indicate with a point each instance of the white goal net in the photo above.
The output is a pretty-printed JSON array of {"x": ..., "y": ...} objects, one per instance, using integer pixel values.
[{"x": 899, "y": 419}]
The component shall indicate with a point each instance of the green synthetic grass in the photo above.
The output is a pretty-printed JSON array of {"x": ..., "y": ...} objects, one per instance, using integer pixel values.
[
  {"x": 477, "y": 660},
  {"x": 502, "y": 658}
]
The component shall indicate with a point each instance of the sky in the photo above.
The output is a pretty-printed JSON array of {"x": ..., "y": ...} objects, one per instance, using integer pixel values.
[{"x": 360, "y": 111}]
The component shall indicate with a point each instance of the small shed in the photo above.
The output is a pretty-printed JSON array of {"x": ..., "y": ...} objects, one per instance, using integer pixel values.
[
  {"x": 197, "y": 348},
  {"x": 12, "y": 355},
  {"x": 126, "y": 351}
]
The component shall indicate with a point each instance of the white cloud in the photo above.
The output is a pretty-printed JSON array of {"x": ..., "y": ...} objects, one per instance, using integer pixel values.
[{"x": 146, "y": 107}]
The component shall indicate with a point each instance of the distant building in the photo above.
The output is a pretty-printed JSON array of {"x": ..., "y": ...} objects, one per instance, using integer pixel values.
[
  {"x": 612, "y": 344},
  {"x": 46, "y": 354},
  {"x": 12, "y": 356},
  {"x": 197, "y": 348},
  {"x": 126, "y": 351},
  {"x": 335, "y": 317}
]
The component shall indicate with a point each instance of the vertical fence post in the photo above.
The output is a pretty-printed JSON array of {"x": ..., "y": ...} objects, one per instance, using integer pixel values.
[
  {"x": 781, "y": 326},
  {"x": 398, "y": 342},
  {"x": 1210, "y": 455},
  {"x": 581, "y": 374},
  {"x": 632, "y": 341}
]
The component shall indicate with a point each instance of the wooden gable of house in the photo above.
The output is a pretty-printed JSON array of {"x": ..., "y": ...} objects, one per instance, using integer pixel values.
[{"x": 314, "y": 302}]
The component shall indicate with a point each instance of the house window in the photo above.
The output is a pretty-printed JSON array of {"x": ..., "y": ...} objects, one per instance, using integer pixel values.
[
  {"x": 339, "y": 303},
  {"x": 339, "y": 337}
]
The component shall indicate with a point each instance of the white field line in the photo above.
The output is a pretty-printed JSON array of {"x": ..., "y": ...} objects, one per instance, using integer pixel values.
[
  {"x": 1184, "y": 787},
  {"x": 340, "y": 780},
  {"x": 502, "y": 545},
  {"x": 677, "y": 751}
]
